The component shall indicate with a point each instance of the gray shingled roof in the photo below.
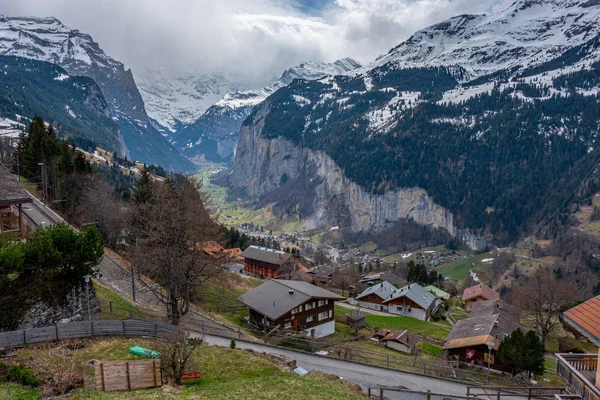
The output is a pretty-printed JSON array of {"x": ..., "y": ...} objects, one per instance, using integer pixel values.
[
  {"x": 491, "y": 317},
  {"x": 383, "y": 290},
  {"x": 11, "y": 191},
  {"x": 416, "y": 293},
  {"x": 273, "y": 298},
  {"x": 265, "y": 254}
]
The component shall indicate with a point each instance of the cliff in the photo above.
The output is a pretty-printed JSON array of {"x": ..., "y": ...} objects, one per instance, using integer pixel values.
[{"x": 278, "y": 170}]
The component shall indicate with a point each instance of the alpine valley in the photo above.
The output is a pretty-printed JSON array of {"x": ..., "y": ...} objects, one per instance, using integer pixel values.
[{"x": 480, "y": 126}]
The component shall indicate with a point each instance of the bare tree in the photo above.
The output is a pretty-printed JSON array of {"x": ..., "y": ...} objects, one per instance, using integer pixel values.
[
  {"x": 177, "y": 356},
  {"x": 171, "y": 249},
  {"x": 544, "y": 296},
  {"x": 345, "y": 276}
]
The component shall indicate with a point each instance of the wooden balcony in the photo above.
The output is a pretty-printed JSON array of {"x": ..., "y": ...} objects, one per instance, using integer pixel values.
[{"x": 579, "y": 371}]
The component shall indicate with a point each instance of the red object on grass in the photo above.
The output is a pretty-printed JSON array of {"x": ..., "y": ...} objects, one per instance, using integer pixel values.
[{"x": 191, "y": 375}]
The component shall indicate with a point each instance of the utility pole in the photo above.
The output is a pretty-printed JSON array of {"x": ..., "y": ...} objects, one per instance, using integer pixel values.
[
  {"x": 18, "y": 169},
  {"x": 43, "y": 171},
  {"x": 137, "y": 242}
]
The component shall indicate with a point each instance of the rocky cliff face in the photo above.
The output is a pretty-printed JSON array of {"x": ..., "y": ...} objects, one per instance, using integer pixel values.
[{"x": 278, "y": 169}]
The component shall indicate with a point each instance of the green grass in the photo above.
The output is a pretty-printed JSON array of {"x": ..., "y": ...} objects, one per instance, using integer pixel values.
[
  {"x": 120, "y": 305},
  {"x": 17, "y": 392},
  {"x": 226, "y": 374},
  {"x": 430, "y": 348},
  {"x": 457, "y": 315},
  {"x": 459, "y": 269},
  {"x": 431, "y": 329}
]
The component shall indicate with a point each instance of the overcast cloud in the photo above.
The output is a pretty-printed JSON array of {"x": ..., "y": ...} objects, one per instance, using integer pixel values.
[{"x": 255, "y": 38}]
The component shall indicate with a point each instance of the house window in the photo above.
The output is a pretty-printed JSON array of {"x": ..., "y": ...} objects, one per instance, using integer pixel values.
[
  {"x": 400, "y": 308},
  {"x": 307, "y": 306},
  {"x": 321, "y": 303},
  {"x": 323, "y": 315},
  {"x": 293, "y": 311},
  {"x": 287, "y": 325},
  {"x": 330, "y": 313},
  {"x": 309, "y": 319}
]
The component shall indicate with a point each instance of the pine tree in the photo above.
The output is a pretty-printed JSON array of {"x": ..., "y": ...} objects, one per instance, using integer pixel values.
[{"x": 143, "y": 189}]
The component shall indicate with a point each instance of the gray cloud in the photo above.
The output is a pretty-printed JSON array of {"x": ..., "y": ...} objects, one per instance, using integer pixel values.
[{"x": 255, "y": 39}]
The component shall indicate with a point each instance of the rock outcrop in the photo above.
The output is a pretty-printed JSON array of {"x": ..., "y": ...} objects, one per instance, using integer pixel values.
[{"x": 278, "y": 169}]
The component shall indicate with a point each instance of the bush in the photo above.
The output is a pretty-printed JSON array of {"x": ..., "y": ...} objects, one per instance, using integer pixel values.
[
  {"x": 22, "y": 375},
  {"x": 3, "y": 372},
  {"x": 435, "y": 317},
  {"x": 232, "y": 343}
]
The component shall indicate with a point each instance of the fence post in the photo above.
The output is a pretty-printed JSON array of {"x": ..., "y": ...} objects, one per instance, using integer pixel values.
[
  {"x": 387, "y": 363},
  {"x": 24, "y": 336},
  {"x": 110, "y": 306},
  {"x": 529, "y": 394},
  {"x": 56, "y": 330},
  {"x": 369, "y": 392},
  {"x": 350, "y": 355},
  {"x": 381, "y": 393},
  {"x": 130, "y": 311},
  {"x": 428, "y": 394},
  {"x": 239, "y": 333},
  {"x": 498, "y": 393},
  {"x": 92, "y": 327},
  {"x": 424, "y": 368},
  {"x": 202, "y": 325},
  {"x": 312, "y": 346},
  {"x": 276, "y": 338}
]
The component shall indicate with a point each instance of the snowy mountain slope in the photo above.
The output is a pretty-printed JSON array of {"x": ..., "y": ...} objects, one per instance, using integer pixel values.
[
  {"x": 175, "y": 99},
  {"x": 47, "y": 39},
  {"x": 527, "y": 33},
  {"x": 492, "y": 117},
  {"x": 214, "y": 134}
]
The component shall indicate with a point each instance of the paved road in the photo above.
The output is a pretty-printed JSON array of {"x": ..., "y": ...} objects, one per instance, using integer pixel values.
[{"x": 356, "y": 373}]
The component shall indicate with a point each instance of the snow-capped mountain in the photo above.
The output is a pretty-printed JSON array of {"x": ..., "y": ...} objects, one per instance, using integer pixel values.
[
  {"x": 175, "y": 99},
  {"x": 527, "y": 33},
  {"x": 480, "y": 125},
  {"x": 47, "y": 39},
  {"x": 214, "y": 134}
]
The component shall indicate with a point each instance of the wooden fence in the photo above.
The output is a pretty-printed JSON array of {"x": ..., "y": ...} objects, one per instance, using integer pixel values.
[
  {"x": 127, "y": 375},
  {"x": 77, "y": 330}
]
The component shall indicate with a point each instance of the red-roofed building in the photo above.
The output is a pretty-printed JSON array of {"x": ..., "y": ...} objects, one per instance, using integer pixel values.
[
  {"x": 581, "y": 371},
  {"x": 478, "y": 292}
]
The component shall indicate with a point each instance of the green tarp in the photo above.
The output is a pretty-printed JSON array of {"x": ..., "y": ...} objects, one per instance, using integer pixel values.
[{"x": 143, "y": 352}]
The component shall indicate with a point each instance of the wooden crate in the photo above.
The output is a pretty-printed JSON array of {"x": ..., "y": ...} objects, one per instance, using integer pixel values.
[{"x": 127, "y": 375}]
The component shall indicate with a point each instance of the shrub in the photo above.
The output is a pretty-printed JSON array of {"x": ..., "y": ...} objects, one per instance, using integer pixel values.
[
  {"x": 435, "y": 317},
  {"x": 232, "y": 343},
  {"x": 3, "y": 372},
  {"x": 22, "y": 375}
]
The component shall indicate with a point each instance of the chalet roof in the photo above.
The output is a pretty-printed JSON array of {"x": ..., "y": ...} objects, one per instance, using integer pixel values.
[
  {"x": 322, "y": 270},
  {"x": 265, "y": 254},
  {"x": 416, "y": 293},
  {"x": 585, "y": 318},
  {"x": 480, "y": 290},
  {"x": 11, "y": 191},
  {"x": 384, "y": 276},
  {"x": 277, "y": 296},
  {"x": 437, "y": 291},
  {"x": 403, "y": 336},
  {"x": 383, "y": 290},
  {"x": 490, "y": 320}
]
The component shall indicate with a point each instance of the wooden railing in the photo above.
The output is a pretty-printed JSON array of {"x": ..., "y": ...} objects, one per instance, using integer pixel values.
[{"x": 568, "y": 367}]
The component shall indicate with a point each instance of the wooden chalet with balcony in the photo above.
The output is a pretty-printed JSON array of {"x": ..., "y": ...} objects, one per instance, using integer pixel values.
[
  {"x": 580, "y": 371},
  {"x": 264, "y": 262},
  {"x": 478, "y": 292},
  {"x": 412, "y": 301},
  {"x": 293, "y": 306}
]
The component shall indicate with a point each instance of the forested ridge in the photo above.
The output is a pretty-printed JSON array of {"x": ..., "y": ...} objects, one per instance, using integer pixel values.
[{"x": 500, "y": 161}]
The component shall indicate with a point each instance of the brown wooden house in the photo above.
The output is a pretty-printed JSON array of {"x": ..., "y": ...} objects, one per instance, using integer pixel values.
[
  {"x": 12, "y": 198},
  {"x": 489, "y": 322},
  {"x": 478, "y": 292},
  {"x": 293, "y": 306},
  {"x": 374, "y": 296},
  {"x": 264, "y": 262},
  {"x": 412, "y": 301}
]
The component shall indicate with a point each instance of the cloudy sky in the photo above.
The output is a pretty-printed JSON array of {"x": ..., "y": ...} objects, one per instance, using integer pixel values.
[{"x": 255, "y": 38}]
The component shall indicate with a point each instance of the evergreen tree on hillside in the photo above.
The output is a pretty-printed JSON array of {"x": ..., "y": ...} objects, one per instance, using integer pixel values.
[
  {"x": 522, "y": 352},
  {"x": 143, "y": 188}
]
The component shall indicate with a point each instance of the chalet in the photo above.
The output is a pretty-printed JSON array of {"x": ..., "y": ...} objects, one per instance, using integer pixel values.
[
  {"x": 401, "y": 340},
  {"x": 12, "y": 198},
  {"x": 438, "y": 292},
  {"x": 412, "y": 301},
  {"x": 581, "y": 371},
  {"x": 322, "y": 274},
  {"x": 216, "y": 251},
  {"x": 291, "y": 305},
  {"x": 489, "y": 322},
  {"x": 478, "y": 292},
  {"x": 374, "y": 296},
  {"x": 263, "y": 261}
]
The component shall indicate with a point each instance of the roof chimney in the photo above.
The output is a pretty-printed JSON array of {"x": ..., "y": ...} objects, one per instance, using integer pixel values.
[{"x": 291, "y": 291}]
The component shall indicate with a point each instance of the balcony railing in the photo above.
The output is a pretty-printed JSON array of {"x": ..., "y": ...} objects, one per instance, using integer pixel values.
[{"x": 577, "y": 370}]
